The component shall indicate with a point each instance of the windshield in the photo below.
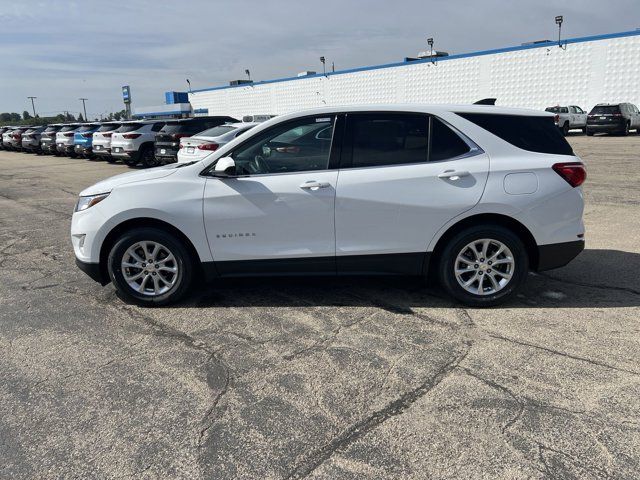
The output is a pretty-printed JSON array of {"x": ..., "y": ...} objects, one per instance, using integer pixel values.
[
  {"x": 128, "y": 127},
  {"x": 216, "y": 131},
  {"x": 605, "y": 110},
  {"x": 174, "y": 127},
  {"x": 86, "y": 128},
  {"x": 108, "y": 128}
]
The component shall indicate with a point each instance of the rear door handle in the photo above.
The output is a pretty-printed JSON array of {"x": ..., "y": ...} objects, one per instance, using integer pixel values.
[
  {"x": 314, "y": 185},
  {"x": 454, "y": 174}
]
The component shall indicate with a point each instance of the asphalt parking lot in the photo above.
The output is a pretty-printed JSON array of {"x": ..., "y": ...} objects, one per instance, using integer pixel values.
[{"x": 319, "y": 378}]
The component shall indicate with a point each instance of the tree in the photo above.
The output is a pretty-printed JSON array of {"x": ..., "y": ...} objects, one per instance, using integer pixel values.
[
  {"x": 15, "y": 117},
  {"x": 26, "y": 115},
  {"x": 69, "y": 118},
  {"x": 5, "y": 117},
  {"x": 80, "y": 118}
]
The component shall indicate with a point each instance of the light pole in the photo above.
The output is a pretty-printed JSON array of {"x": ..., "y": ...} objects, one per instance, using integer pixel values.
[
  {"x": 189, "y": 83},
  {"x": 33, "y": 105},
  {"x": 247, "y": 73},
  {"x": 324, "y": 70},
  {"x": 84, "y": 107},
  {"x": 559, "y": 20},
  {"x": 430, "y": 43}
]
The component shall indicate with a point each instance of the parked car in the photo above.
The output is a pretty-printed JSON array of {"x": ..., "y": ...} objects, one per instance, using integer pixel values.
[
  {"x": 48, "y": 138},
  {"x": 5, "y": 133},
  {"x": 102, "y": 140},
  {"x": 168, "y": 139},
  {"x": 133, "y": 142},
  {"x": 64, "y": 139},
  {"x": 569, "y": 118},
  {"x": 83, "y": 139},
  {"x": 203, "y": 144},
  {"x": 347, "y": 190},
  {"x": 31, "y": 139},
  {"x": 15, "y": 138},
  {"x": 613, "y": 118}
]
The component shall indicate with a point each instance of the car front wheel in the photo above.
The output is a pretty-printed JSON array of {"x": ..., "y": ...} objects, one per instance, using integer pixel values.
[
  {"x": 150, "y": 267},
  {"x": 483, "y": 266}
]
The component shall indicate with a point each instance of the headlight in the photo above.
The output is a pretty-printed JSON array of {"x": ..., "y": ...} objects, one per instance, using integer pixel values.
[{"x": 90, "y": 201}]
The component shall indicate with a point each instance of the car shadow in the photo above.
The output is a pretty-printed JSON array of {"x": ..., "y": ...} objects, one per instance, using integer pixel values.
[{"x": 595, "y": 279}]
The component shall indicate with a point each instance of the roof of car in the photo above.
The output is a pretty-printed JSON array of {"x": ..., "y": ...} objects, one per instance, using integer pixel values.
[{"x": 418, "y": 108}]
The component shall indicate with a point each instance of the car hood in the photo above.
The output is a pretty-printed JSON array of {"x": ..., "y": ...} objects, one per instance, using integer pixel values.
[{"x": 109, "y": 184}]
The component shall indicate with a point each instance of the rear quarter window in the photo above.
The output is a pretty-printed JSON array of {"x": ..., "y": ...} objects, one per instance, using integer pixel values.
[{"x": 531, "y": 133}]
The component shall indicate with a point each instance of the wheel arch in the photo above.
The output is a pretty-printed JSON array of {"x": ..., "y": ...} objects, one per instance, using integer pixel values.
[
  {"x": 132, "y": 223},
  {"x": 505, "y": 221}
]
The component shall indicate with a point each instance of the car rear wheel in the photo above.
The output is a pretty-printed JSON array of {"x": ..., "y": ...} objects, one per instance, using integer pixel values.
[
  {"x": 483, "y": 266},
  {"x": 148, "y": 157},
  {"x": 565, "y": 129},
  {"x": 150, "y": 267},
  {"x": 625, "y": 132}
]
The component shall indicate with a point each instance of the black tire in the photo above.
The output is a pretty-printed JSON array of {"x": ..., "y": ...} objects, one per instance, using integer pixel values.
[
  {"x": 588, "y": 132},
  {"x": 148, "y": 157},
  {"x": 183, "y": 262},
  {"x": 584, "y": 129},
  {"x": 447, "y": 265},
  {"x": 110, "y": 159},
  {"x": 565, "y": 129},
  {"x": 625, "y": 132},
  {"x": 132, "y": 162}
]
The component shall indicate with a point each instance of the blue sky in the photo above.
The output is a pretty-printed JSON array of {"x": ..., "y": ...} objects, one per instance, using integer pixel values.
[{"x": 65, "y": 49}]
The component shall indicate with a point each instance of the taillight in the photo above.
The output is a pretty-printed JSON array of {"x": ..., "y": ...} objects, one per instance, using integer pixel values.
[
  {"x": 573, "y": 173},
  {"x": 208, "y": 146},
  {"x": 180, "y": 135},
  {"x": 87, "y": 135},
  {"x": 556, "y": 118},
  {"x": 131, "y": 136},
  {"x": 68, "y": 134}
]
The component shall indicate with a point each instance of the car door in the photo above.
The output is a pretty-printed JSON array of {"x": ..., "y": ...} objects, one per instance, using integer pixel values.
[
  {"x": 403, "y": 176},
  {"x": 277, "y": 214}
]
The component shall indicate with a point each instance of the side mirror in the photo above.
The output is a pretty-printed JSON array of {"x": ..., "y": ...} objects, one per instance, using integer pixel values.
[{"x": 225, "y": 167}]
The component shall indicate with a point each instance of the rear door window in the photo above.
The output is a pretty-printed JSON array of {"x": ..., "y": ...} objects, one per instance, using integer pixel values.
[
  {"x": 531, "y": 133},
  {"x": 445, "y": 143},
  {"x": 381, "y": 139}
]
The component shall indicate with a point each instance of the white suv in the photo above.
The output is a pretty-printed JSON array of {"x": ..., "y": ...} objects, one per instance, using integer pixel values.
[
  {"x": 475, "y": 195},
  {"x": 133, "y": 141}
]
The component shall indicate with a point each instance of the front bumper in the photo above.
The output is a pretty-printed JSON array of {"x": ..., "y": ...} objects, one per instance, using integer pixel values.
[
  {"x": 93, "y": 270},
  {"x": 557, "y": 255},
  {"x": 82, "y": 150},
  {"x": 64, "y": 149}
]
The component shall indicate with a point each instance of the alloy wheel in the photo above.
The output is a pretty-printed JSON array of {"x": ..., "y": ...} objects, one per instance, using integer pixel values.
[
  {"x": 149, "y": 268},
  {"x": 484, "y": 266}
]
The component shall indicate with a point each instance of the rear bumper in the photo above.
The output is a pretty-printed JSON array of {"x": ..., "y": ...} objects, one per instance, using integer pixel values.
[
  {"x": 557, "y": 255},
  {"x": 609, "y": 127},
  {"x": 93, "y": 270},
  {"x": 62, "y": 148}
]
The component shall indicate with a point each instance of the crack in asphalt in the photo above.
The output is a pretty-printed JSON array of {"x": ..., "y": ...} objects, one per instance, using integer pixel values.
[
  {"x": 590, "y": 285},
  {"x": 564, "y": 354},
  {"x": 318, "y": 457},
  {"x": 549, "y": 470}
]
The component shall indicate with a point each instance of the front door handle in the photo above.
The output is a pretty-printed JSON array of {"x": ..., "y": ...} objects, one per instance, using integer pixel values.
[
  {"x": 454, "y": 174},
  {"x": 314, "y": 185}
]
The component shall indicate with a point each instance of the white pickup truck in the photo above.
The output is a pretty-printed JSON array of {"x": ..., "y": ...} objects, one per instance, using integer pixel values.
[{"x": 569, "y": 118}]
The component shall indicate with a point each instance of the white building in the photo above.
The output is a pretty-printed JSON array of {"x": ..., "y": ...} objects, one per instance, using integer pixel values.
[{"x": 584, "y": 71}]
